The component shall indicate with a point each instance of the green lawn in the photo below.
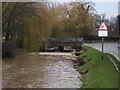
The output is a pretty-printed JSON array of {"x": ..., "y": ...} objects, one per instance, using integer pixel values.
[{"x": 101, "y": 73}]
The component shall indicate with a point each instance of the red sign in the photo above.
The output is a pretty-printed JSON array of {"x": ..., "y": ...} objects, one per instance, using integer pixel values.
[{"x": 103, "y": 26}]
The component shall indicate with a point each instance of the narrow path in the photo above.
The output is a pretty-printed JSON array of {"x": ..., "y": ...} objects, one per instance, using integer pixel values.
[
  {"x": 111, "y": 48},
  {"x": 114, "y": 64}
]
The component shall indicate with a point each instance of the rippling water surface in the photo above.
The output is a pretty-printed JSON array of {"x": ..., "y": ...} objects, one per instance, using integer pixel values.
[{"x": 38, "y": 71}]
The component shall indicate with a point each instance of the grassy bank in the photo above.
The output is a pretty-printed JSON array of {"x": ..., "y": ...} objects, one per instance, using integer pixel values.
[
  {"x": 115, "y": 60},
  {"x": 101, "y": 73}
]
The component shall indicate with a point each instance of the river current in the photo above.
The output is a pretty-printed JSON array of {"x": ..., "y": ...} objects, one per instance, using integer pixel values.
[{"x": 40, "y": 71}]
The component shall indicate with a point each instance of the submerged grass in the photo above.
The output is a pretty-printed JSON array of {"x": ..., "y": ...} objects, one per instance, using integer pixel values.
[{"x": 101, "y": 73}]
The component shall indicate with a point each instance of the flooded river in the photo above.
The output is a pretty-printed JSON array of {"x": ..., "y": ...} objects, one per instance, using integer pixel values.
[{"x": 40, "y": 71}]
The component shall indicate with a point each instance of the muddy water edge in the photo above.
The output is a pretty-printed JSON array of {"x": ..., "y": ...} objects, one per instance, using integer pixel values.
[{"x": 40, "y": 71}]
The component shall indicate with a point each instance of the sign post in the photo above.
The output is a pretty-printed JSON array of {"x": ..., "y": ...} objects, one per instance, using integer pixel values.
[
  {"x": 103, "y": 32},
  {"x": 102, "y": 46}
]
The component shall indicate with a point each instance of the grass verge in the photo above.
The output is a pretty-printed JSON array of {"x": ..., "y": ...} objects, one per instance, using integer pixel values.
[
  {"x": 101, "y": 73},
  {"x": 115, "y": 60}
]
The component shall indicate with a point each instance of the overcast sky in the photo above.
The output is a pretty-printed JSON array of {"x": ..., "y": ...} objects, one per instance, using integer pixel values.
[{"x": 109, "y": 8}]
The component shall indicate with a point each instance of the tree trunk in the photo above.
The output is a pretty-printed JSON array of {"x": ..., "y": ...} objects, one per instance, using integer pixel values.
[{"x": 7, "y": 37}]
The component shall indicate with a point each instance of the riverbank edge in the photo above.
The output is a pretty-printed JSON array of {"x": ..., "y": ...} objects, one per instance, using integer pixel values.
[{"x": 99, "y": 78}]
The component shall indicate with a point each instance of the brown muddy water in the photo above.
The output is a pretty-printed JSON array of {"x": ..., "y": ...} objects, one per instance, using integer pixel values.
[{"x": 40, "y": 71}]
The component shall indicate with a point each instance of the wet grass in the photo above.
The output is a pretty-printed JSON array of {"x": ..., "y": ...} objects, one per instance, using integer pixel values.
[{"x": 101, "y": 73}]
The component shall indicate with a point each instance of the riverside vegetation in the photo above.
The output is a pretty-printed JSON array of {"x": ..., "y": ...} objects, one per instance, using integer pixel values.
[
  {"x": 29, "y": 25},
  {"x": 98, "y": 73}
]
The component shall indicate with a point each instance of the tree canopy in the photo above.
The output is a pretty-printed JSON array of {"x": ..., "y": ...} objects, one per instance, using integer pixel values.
[{"x": 29, "y": 25}]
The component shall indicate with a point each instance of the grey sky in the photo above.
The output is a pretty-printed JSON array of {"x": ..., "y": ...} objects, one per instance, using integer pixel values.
[{"x": 109, "y": 8}]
